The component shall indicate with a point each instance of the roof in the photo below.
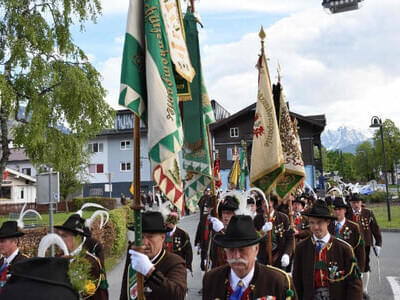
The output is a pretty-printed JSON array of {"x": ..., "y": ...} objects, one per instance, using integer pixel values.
[
  {"x": 17, "y": 154},
  {"x": 318, "y": 120},
  {"x": 19, "y": 174}
]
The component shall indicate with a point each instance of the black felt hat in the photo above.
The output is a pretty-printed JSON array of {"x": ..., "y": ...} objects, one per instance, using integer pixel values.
[
  {"x": 9, "y": 229},
  {"x": 251, "y": 200},
  {"x": 319, "y": 210},
  {"x": 339, "y": 203},
  {"x": 229, "y": 203},
  {"x": 39, "y": 278},
  {"x": 301, "y": 200},
  {"x": 75, "y": 224},
  {"x": 152, "y": 222},
  {"x": 355, "y": 197},
  {"x": 239, "y": 233}
]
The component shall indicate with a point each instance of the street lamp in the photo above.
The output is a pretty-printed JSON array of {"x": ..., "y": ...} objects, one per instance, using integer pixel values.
[
  {"x": 377, "y": 123},
  {"x": 338, "y": 6}
]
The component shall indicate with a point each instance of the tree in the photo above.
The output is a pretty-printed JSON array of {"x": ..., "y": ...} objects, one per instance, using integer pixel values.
[
  {"x": 47, "y": 86},
  {"x": 365, "y": 162},
  {"x": 391, "y": 137}
]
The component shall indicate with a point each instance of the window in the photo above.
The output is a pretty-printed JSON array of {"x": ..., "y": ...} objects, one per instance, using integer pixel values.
[
  {"x": 100, "y": 168},
  {"x": 125, "y": 145},
  {"x": 96, "y": 168},
  {"x": 228, "y": 153},
  {"x": 22, "y": 194},
  {"x": 95, "y": 147},
  {"x": 26, "y": 171},
  {"x": 234, "y": 132},
  {"x": 125, "y": 166}
]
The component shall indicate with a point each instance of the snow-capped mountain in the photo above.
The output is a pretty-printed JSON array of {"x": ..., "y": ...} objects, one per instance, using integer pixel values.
[{"x": 343, "y": 138}]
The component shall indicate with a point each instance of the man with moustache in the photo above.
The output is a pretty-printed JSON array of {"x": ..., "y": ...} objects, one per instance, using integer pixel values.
[
  {"x": 243, "y": 277},
  {"x": 164, "y": 272}
]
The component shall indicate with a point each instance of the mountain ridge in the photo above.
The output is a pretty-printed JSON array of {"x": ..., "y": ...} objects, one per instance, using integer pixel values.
[{"x": 344, "y": 138}]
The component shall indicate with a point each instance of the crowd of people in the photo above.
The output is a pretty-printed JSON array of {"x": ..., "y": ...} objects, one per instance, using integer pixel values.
[{"x": 252, "y": 246}]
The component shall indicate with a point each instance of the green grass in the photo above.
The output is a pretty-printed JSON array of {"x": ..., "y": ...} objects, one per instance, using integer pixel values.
[{"x": 380, "y": 211}]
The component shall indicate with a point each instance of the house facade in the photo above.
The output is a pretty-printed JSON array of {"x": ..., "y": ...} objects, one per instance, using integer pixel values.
[
  {"x": 17, "y": 187},
  {"x": 112, "y": 159},
  {"x": 229, "y": 132}
]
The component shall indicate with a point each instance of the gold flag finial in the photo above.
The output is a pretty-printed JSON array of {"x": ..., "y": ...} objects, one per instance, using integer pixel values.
[
  {"x": 262, "y": 37},
  {"x": 278, "y": 69}
]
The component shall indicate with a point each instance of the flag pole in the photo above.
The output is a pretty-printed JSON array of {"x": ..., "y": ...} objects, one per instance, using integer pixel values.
[
  {"x": 137, "y": 206},
  {"x": 262, "y": 36},
  {"x": 192, "y": 6}
]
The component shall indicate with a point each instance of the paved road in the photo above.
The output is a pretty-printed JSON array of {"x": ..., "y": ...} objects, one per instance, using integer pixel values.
[{"x": 378, "y": 289}]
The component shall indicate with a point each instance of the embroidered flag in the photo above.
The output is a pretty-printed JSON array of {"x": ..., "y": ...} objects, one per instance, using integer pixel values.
[
  {"x": 217, "y": 172},
  {"x": 198, "y": 114},
  {"x": 235, "y": 171},
  {"x": 294, "y": 172},
  {"x": 132, "y": 283},
  {"x": 266, "y": 155},
  {"x": 244, "y": 169},
  {"x": 148, "y": 87}
]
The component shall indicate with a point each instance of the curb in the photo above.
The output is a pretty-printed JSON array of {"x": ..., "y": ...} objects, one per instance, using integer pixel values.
[{"x": 390, "y": 229}]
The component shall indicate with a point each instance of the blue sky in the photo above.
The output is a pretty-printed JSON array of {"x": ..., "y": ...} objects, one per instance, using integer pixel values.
[{"x": 345, "y": 66}]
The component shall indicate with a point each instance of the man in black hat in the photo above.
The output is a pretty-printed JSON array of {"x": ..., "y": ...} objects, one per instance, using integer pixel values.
[
  {"x": 203, "y": 228},
  {"x": 9, "y": 239},
  {"x": 347, "y": 230},
  {"x": 325, "y": 267},
  {"x": 370, "y": 230},
  {"x": 164, "y": 272},
  {"x": 243, "y": 277},
  {"x": 226, "y": 210},
  {"x": 74, "y": 234},
  {"x": 40, "y": 278},
  {"x": 178, "y": 240},
  {"x": 282, "y": 235},
  {"x": 302, "y": 228}
]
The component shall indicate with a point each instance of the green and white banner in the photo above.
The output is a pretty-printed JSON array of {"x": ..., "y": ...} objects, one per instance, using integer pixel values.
[
  {"x": 148, "y": 88},
  {"x": 198, "y": 114}
]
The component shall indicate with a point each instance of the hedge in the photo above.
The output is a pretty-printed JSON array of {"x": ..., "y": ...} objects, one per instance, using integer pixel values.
[
  {"x": 119, "y": 217},
  {"x": 109, "y": 203},
  {"x": 375, "y": 197},
  {"x": 112, "y": 236}
]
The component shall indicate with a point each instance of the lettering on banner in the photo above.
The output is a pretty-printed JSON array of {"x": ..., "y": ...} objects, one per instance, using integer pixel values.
[{"x": 152, "y": 15}]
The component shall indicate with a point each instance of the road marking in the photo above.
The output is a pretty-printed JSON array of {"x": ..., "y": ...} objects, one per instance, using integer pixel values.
[{"x": 395, "y": 284}]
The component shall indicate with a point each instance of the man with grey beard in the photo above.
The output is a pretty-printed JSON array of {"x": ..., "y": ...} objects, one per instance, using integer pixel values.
[{"x": 243, "y": 277}]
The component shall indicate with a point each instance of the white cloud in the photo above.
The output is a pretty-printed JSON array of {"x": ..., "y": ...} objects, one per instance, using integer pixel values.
[
  {"x": 226, "y": 6},
  {"x": 119, "y": 40},
  {"x": 114, "y": 6},
  {"x": 343, "y": 65},
  {"x": 111, "y": 72},
  {"x": 272, "y": 6}
]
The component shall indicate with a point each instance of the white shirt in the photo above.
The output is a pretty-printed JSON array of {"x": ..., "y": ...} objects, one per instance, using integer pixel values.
[
  {"x": 357, "y": 212},
  {"x": 325, "y": 239},
  {"x": 9, "y": 259},
  {"x": 234, "y": 279},
  {"x": 341, "y": 222},
  {"x": 170, "y": 233},
  {"x": 155, "y": 257}
]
